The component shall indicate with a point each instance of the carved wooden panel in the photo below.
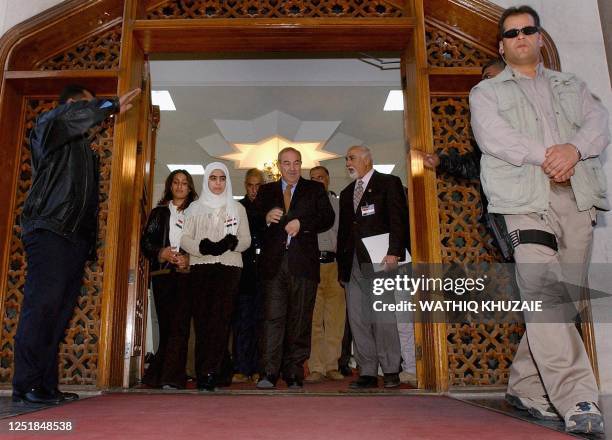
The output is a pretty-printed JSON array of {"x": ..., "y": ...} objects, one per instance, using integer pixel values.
[
  {"x": 447, "y": 50},
  {"x": 142, "y": 283},
  {"x": 273, "y": 9},
  {"x": 464, "y": 238},
  {"x": 479, "y": 354},
  {"x": 78, "y": 354},
  {"x": 100, "y": 52}
]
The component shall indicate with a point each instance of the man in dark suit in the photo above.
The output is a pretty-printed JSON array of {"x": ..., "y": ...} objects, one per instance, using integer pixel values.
[
  {"x": 295, "y": 211},
  {"x": 246, "y": 324},
  {"x": 373, "y": 204}
]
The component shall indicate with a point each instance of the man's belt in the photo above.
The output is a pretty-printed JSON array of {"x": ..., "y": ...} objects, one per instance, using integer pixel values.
[{"x": 327, "y": 257}]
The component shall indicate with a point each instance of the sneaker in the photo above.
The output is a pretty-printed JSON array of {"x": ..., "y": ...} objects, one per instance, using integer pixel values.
[
  {"x": 334, "y": 375},
  {"x": 240, "y": 378},
  {"x": 538, "y": 407},
  {"x": 584, "y": 417},
  {"x": 314, "y": 377},
  {"x": 266, "y": 383},
  {"x": 169, "y": 387}
]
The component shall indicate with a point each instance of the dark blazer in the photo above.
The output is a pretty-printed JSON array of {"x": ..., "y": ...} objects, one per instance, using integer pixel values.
[
  {"x": 387, "y": 195},
  {"x": 310, "y": 205}
]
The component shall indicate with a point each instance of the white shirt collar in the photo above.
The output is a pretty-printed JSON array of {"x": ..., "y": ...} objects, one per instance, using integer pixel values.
[{"x": 365, "y": 179}]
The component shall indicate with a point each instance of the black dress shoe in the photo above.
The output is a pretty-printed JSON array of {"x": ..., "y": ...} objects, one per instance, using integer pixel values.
[
  {"x": 209, "y": 383},
  {"x": 36, "y": 396},
  {"x": 346, "y": 371},
  {"x": 364, "y": 382},
  {"x": 294, "y": 383},
  {"x": 65, "y": 397},
  {"x": 391, "y": 380}
]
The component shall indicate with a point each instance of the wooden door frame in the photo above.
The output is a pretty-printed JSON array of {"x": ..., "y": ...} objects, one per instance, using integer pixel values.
[
  {"x": 28, "y": 43},
  {"x": 405, "y": 35},
  {"x": 22, "y": 47}
]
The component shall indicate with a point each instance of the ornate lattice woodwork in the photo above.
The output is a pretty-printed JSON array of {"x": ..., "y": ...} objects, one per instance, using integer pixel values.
[
  {"x": 479, "y": 354},
  {"x": 273, "y": 9},
  {"x": 100, "y": 52},
  {"x": 78, "y": 353},
  {"x": 464, "y": 238},
  {"x": 447, "y": 50},
  {"x": 142, "y": 274}
]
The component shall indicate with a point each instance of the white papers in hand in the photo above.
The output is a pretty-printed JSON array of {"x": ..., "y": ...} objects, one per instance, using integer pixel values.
[{"x": 377, "y": 246}]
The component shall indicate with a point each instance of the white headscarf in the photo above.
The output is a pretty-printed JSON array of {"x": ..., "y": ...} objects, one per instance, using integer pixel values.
[{"x": 211, "y": 203}]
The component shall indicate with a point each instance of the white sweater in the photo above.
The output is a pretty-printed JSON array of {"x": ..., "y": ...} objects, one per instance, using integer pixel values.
[{"x": 198, "y": 227}]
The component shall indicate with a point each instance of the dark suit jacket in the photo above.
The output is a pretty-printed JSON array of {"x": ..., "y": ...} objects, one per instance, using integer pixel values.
[
  {"x": 310, "y": 205},
  {"x": 387, "y": 195}
]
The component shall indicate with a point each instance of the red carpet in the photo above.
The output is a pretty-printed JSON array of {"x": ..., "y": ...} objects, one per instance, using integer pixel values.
[{"x": 136, "y": 416}]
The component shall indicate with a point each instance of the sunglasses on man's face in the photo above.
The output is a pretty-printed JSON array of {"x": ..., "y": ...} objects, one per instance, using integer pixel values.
[{"x": 527, "y": 30}]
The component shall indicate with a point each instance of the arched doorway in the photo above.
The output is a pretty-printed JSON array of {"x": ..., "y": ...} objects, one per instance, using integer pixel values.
[{"x": 105, "y": 43}]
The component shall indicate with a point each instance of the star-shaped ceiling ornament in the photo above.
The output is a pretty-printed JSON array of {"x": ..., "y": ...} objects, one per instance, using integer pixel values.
[
  {"x": 255, "y": 143},
  {"x": 262, "y": 154}
]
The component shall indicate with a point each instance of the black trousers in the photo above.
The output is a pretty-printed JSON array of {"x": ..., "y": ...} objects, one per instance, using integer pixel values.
[
  {"x": 246, "y": 325},
  {"x": 347, "y": 340},
  {"x": 214, "y": 288},
  {"x": 52, "y": 287},
  {"x": 173, "y": 305},
  {"x": 288, "y": 305}
]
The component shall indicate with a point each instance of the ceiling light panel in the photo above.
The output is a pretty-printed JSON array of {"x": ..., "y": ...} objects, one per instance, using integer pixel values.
[
  {"x": 384, "y": 168},
  {"x": 163, "y": 99},
  {"x": 194, "y": 170},
  {"x": 395, "y": 101}
]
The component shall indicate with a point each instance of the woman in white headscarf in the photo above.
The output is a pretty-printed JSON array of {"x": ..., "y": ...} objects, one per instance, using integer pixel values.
[{"x": 216, "y": 232}]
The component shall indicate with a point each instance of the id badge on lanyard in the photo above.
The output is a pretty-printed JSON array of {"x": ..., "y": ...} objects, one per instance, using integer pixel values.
[{"x": 368, "y": 210}]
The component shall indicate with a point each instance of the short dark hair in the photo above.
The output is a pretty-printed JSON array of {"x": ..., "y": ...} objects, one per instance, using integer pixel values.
[
  {"x": 74, "y": 91},
  {"x": 493, "y": 62},
  {"x": 320, "y": 167},
  {"x": 516, "y": 10}
]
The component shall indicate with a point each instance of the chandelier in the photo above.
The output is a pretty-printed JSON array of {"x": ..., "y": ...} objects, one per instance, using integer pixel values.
[{"x": 271, "y": 171}]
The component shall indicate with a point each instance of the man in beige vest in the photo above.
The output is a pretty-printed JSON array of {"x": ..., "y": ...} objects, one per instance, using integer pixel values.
[{"x": 541, "y": 133}]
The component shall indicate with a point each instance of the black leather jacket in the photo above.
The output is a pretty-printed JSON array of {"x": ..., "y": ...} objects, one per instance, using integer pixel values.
[
  {"x": 465, "y": 166},
  {"x": 64, "y": 193},
  {"x": 156, "y": 236}
]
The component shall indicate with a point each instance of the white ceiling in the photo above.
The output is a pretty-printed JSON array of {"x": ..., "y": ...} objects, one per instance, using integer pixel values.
[{"x": 346, "y": 90}]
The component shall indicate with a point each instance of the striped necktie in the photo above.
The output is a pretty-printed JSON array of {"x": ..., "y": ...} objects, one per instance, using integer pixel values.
[{"x": 357, "y": 194}]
